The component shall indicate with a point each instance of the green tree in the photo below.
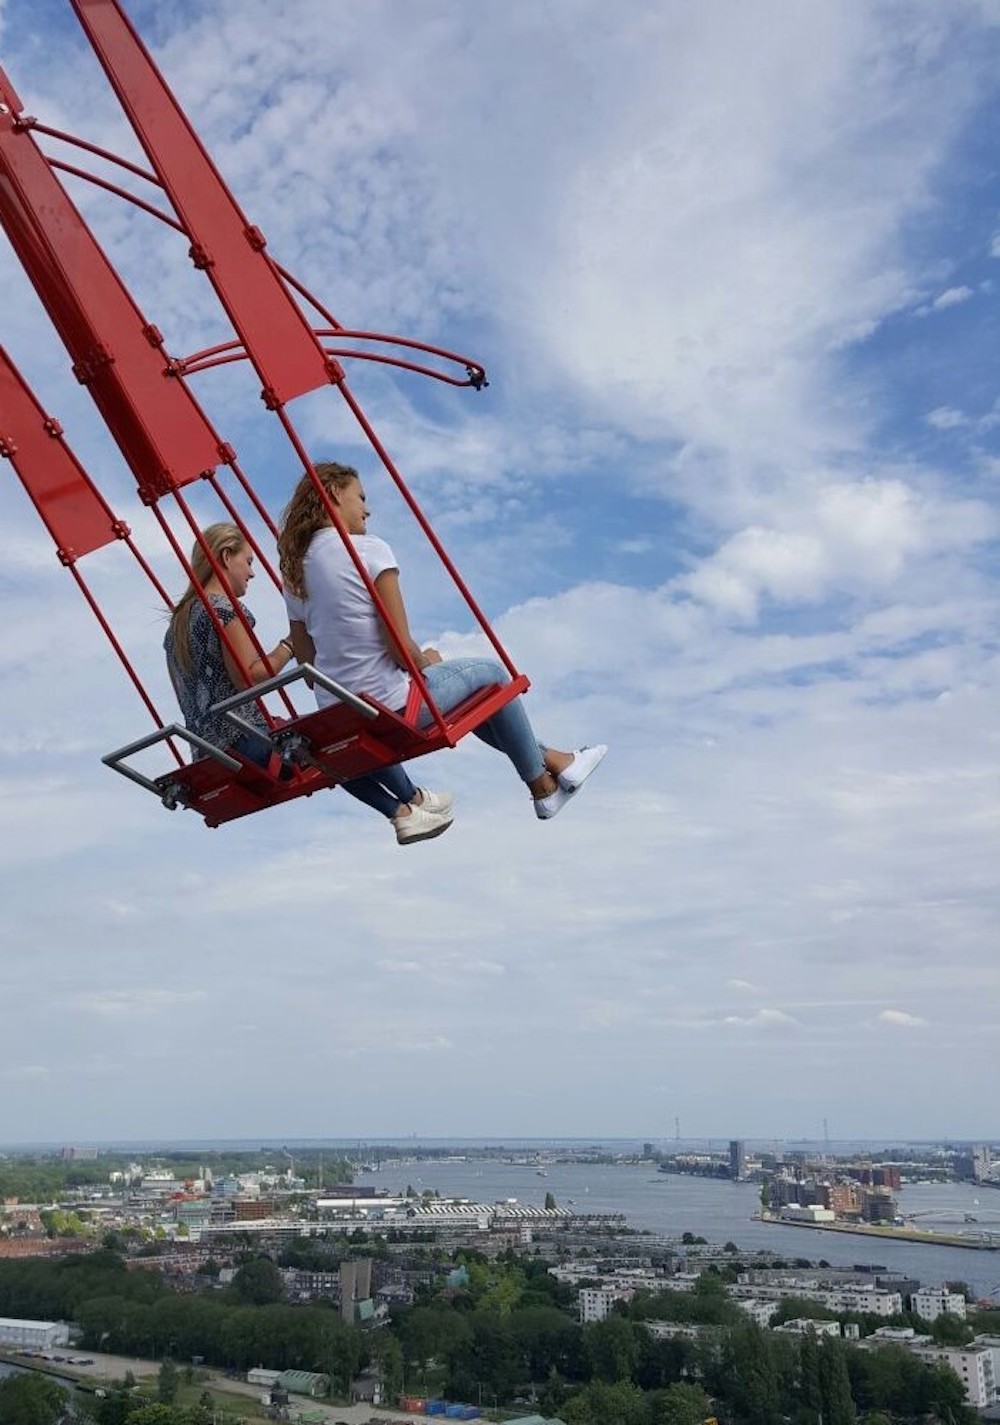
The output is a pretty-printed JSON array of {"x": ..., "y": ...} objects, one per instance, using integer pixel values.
[
  {"x": 603, "y": 1403},
  {"x": 258, "y": 1282},
  {"x": 680, "y": 1404},
  {"x": 838, "y": 1404},
  {"x": 950, "y": 1330},
  {"x": 612, "y": 1348},
  {"x": 167, "y": 1382},
  {"x": 30, "y": 1400},
  {"x": 748, "y": 1375},
  {"x": 550, "y": 1201},
  {"x": 158, "y": 1414},
  {"x": 389, "y": 1355},
  {"x": 810, "y": 1409}
]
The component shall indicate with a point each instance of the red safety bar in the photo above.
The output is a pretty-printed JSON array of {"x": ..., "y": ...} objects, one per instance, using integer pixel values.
[{"x": 167, "y": 439}]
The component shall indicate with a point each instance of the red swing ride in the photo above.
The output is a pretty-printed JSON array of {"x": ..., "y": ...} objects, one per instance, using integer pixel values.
[{"x": 145, "y": 397}]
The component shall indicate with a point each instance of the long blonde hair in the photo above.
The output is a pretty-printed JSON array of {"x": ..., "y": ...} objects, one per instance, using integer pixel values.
[
  {"x": 304, "y": 514},
  {"x": 220, "y": 539}
]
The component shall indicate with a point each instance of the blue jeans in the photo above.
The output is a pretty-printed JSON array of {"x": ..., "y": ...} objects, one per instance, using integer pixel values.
[
  {"x": 385, "y": 790},
  {"x": 508, "y": 731}
]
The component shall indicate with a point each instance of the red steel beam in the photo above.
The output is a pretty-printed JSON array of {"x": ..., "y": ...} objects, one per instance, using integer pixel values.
[
  {"x": 278, "y": 339},
  {"x": 159, "y": 426},
  {"x": 73, "y": 511}
]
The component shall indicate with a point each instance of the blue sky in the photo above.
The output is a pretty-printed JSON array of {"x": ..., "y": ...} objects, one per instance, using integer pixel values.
[{"x": 731, "y": 500}]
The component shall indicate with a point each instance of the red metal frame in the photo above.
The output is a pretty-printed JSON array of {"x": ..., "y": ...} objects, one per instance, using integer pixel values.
[{"x": 161, "y": 429}]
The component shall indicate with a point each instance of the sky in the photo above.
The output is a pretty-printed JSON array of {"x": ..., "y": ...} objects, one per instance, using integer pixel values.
[{"x": 730, "y": 500}]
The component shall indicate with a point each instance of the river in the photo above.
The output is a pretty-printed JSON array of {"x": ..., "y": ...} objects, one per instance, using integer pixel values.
[{"x": 720, "y": 1211}]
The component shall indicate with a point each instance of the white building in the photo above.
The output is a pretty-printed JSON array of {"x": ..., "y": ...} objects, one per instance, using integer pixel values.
[
  {"x": 991, "y": 1344},
  {"x": 973, "y": 1365},
  {"x": 596, "y": 1301},
  {"x": 802, "y": 1325},
  {"x": 669, "y": 1330},
  {"x": 932, "y": 1302},
  {"x": 852, "y": 1296},
  {"x": 874, "y": 1300},
  {"x": 21, "y": 1335},
  {"x": 260, "y": 1375},
  {"x": 759, "y": 1312}
]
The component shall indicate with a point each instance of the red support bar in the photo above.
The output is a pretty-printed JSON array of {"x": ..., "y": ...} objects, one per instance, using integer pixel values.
[
  {"x": 150, "y": 208},
  {"x": 277, "y": 337},
  {"x": 159, "y": 426},
  {"x": 74, "y": 512},
  {"x": 425, "y": 525}
]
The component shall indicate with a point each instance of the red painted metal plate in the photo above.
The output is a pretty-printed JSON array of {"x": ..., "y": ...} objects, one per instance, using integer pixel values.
[
  {"x": 159, "y": 426},
  {"x": 278, "y": 340},
  {"x": 73, "y": 511}
]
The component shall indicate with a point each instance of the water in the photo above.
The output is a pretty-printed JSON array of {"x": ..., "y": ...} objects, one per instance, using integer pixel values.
[{"x": 720, "y": 1211}]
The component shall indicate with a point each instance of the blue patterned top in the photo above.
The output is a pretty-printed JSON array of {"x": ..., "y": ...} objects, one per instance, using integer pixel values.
[{"x": 208, "y": 682}]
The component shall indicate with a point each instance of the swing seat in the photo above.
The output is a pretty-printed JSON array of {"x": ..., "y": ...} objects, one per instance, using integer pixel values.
[{"x": 350, "y": 738}]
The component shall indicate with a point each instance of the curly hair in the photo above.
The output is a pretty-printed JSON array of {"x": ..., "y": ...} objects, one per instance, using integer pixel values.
[
  {"x": 305, "y": 513},
  {"x": 223, "y": 538}
]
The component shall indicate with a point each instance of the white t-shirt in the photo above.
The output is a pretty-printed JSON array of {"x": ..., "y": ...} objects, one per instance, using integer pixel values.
[{"x": 342, "y": 621}]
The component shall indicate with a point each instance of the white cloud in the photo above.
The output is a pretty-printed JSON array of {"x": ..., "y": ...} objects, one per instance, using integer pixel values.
[
  {"x": 898, "y": 1018},
  {"x": 28, "y": 1072},
  {"x": 765, "y": 1019},
  {"x": 951, "y": 297},
  {"x": 851, "y": 536},
  {"x": 129, "y": 1003},
  {"x": 946, "y": 418}
]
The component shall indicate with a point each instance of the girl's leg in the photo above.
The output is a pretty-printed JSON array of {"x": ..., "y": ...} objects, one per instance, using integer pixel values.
[
  {"x": 396, "y": 780},
  {"x": 508, "y": 730},
  {"x": 369, "y": 789}
]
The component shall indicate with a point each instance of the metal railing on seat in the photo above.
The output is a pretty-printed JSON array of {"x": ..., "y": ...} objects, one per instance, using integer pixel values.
[{"x": 351, "y": 737}]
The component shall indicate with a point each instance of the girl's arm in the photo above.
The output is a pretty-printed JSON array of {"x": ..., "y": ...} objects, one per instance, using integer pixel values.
[
  {"x": 396, "y": 628},
  {"x": 302, "y": 644},
  {"x": 243, "y": 664}
]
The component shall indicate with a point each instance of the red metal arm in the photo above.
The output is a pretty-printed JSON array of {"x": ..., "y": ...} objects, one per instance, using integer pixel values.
[
  {"x": 156, "y": 421},
  {"x": 278, "y": 339}
]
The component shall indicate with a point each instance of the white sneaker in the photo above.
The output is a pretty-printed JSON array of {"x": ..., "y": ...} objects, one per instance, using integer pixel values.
[
  {"x": 436, "y": 801},
  {"x": 585, "y": 761},
  {"x": 420, "y": 825},
  {"x": 552, "y": 805}
]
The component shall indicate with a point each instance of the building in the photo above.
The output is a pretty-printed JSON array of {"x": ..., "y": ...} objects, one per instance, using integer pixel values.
[
  {"x": 991, "y": 1344},
  {"x": 303, "y": 1284},
  {"x": 802, "y": 1325},
  {"x": 810, "y": 1212},
  {"x": 759, "y": 1312},
  {"x": 670, "y": 1330},
  {"x": 974, "y": 1365},
  {"x": 22, "y": 1335},
  {"x": 310, "y": 1383},
  {"x": 873, "y": 1300},
  {"x": 259, "y": 1375},
  {"x": 596, "y": 1302},
  {"x": 253, "y": 1209},
  {"x": 843, "y": 1199},
  {"x": 355, "y": 1286},
  {"x": 737, "y": 1159},
  {"x": 931, "y": 1302}
]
